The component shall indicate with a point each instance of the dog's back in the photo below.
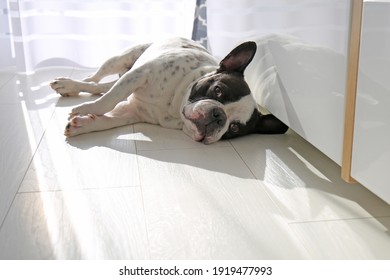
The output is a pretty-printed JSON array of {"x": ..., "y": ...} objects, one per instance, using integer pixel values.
[
  {"x": 170, "y": 67},
  {"x": 168, "y": 63}
]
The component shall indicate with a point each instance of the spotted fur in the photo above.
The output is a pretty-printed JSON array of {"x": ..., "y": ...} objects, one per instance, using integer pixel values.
[{"x": 176, "y": 84}]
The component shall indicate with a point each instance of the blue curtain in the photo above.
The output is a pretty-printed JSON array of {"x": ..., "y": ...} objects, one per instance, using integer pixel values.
[{"x": 199, "y": 32}]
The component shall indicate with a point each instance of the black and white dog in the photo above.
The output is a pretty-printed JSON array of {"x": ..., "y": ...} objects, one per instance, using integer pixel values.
[{"x": 176, "y": 84}]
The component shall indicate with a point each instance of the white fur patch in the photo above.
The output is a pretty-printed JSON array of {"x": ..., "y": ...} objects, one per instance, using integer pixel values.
[{"x": 242, "y": 110}]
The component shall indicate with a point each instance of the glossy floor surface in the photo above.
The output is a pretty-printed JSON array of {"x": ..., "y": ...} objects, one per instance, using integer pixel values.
[{"x": 144, "y": 192}]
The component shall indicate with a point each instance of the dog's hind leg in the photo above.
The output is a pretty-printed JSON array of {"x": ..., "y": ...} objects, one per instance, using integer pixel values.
[
  {"x": 116, "y": 65},
  {"x": 68, "y": 87},
  {"x": 131, "y": 81}
]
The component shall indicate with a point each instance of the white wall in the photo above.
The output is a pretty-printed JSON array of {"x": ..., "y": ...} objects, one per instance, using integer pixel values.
[{"x": 371, "y": 150}]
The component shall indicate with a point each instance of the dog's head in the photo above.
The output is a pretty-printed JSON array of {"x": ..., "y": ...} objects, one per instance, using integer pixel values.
[{"x": 220, "y": 104}]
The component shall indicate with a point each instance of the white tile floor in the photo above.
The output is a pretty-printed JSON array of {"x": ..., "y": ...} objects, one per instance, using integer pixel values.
[{"x": 144, "y": 192}]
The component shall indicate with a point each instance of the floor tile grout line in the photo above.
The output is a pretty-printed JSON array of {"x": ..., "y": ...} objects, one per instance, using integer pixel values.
[
  {"x": 263, "y": 185},
  {"x": 80, "y": 189},
  {"x": 135, "y": 142},
  {"x": 25, "y": 172},
  {"x": 142, "y": 197},
  {"x": 339, "y": 220},
  {"x": 304, "y": 245},
  {"x": 137, "y": 154},
  {"x": 242, "y": 159},
  {"x": 182, "y": 148},
  {"x": 145, "y": 221},
  {"x": 8, "y": 80},
  {"x": 266, "y": 192},
  {"x": 30, "y": 162}
]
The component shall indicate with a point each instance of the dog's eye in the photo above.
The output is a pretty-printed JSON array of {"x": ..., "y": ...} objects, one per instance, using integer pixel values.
[
  {"x": 218, "y": 91},
  {"x": 234, "y": 127}
]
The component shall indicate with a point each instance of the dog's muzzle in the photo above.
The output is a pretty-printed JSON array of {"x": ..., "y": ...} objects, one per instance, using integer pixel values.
[{"x": 207, "y": 121}]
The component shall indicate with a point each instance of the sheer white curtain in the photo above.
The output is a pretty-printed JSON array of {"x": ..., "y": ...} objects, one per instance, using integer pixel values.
[
  {"x": 40, "y": 33},
  {"x": 317, "y": 22}
]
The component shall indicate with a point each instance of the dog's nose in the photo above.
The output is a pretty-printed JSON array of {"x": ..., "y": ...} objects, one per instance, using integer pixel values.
[{"x": 218, "y": 116}]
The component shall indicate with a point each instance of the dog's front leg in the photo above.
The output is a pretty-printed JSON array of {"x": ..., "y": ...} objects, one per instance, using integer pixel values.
[{"x": 122, "y": 89}]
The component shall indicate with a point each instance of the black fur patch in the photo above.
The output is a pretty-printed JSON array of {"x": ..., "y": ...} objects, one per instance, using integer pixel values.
[
  {"x": 225, "y": 87},
  {"x": 258, "y": 123}
]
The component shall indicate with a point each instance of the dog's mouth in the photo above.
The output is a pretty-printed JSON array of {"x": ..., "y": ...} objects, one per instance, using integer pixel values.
[
  {"x": 201, "y": 134},
  {"x": 205, "y": 125},
  {"x": 204, "y": 135}
]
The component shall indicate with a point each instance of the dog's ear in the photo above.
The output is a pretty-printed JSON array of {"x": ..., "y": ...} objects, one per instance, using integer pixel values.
[
  {"x": 269, "y": 124},
  {"x": 239, "y": 58},
  {"x": 258, "y": 123}
]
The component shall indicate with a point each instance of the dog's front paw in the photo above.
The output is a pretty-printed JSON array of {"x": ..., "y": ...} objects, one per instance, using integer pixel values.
[
  {"x": 66, "y": 87},
  {"x": 79, "y": 125},
  {"x": 84, "y": 109}
]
